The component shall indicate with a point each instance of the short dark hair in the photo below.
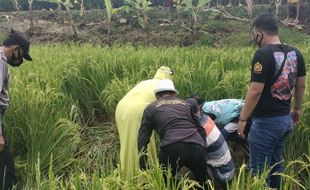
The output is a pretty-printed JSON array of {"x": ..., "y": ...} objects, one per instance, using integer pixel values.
[
  {"x": 9, "y": 42},
  {"x": 194, "y": 104},
  {"x": 160, "y": 94},
  {"x": 198, "y": 98},
  {"x": 266, "y": 22}
]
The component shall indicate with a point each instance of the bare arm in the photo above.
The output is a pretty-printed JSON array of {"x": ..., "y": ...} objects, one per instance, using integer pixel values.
[
  {"x": 298, "y": 97},
  {"x": 254, "y": 92},
  {"x": 253, "y": 95},
  {"x": 299, "y": 92}
]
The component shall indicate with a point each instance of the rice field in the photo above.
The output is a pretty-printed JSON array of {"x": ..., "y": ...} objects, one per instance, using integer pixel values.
[{"x": 60, "y": 120}]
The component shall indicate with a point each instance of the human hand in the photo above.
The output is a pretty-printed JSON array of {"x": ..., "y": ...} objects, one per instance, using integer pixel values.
[
  {"x": 295, "y": 116},
  {"x": 2, "y": 143},
  {"x": 240, "y": 129}
]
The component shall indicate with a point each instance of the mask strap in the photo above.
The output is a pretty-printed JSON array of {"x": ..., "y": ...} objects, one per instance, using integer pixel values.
[{"x": 260, "y": 41}]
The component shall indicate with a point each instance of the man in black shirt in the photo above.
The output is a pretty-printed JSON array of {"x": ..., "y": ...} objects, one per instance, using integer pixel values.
[
  {"x": 181, "y": 143},
  {"x": 277, "y": 71}
]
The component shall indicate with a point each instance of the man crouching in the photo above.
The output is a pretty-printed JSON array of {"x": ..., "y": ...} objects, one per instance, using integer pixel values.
[{"x": 181, "y": 140}]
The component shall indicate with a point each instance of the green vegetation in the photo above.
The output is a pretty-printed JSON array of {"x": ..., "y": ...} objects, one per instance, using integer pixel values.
[
  {"x": 141, "y": 8},
  {"x": 2, "y": 36},
  {"x": 110, "y": 12},
  {"x": 60, "y": 121},
  {"x": 194, "y": 11}
]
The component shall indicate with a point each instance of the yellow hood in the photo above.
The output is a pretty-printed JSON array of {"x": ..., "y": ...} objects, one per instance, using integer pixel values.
[{"x": 163, "y": 73}]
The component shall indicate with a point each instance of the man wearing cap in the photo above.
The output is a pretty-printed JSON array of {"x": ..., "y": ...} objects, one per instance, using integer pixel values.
[
  {"x": 128, "y": 117},
  {"x": 181, "y": 143},
  {"x": 14, "y": 48}
]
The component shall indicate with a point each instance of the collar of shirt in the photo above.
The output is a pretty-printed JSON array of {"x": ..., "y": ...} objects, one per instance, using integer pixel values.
[{"x": 2, "y": 56}]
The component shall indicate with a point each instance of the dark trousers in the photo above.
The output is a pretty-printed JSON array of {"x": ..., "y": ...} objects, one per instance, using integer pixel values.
[
  {"x": 189, "y": 155},
  {"x": 7, "y": 169}
]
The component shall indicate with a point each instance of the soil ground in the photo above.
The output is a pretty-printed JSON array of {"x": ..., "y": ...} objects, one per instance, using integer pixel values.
[{"x": 213, "y": 29}]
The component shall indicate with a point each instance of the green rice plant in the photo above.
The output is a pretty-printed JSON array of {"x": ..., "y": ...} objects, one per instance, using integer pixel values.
[
  {"x": 241, "y": 179},
  {"x": 85, "y": 85},
  {"x": 298, "y": 171},
  {"x": 100, "y": 146},
  {"x": 113, "y": 93},
  {"x": 60, "y": 120}
]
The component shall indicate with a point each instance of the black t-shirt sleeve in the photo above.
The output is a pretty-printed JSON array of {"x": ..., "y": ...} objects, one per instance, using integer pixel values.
[
  {"x": 260, "y": 67},
  {"x": 301, "y": 68}
]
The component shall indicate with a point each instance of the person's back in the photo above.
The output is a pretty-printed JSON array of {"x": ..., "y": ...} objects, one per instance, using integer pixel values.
[
  {"x": 218, "y": 155},
  {"x": 172, "y": 120},
  {"x": 225, "y": 113},
  {"x": 181, "y": 143},
  {"x": 220, "y": 164},
  {"x": 276, "y": 96},
  {"x": 128, "y": 117},
  {"x": 224, "y": 110}
]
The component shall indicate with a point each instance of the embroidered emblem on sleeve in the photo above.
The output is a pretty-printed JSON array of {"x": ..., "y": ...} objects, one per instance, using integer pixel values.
[{"x": 258, "y": 68}]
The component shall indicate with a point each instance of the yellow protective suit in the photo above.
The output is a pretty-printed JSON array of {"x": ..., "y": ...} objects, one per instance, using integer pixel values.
[{"x": 128, "y": 116}]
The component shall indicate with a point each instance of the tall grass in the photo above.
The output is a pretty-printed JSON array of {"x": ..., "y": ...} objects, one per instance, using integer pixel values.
[{"x": 60, "y": 120}]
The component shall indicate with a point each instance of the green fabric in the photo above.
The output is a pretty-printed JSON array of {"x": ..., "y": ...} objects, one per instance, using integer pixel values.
[{"x": 128, "y": 116}]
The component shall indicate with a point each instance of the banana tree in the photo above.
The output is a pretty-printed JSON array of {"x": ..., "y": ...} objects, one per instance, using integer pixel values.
[
  {"x": 17, "y": 7},
  {"x": 110, "y": 12},
  {"x": 194, "y": 12},
  {"x": 30, "y": 2},
  {"x": 178, "y": 6},
  {"x": 68, "y": 5},
  {"x": 229, "y": 4},
  {"x": 278, "y": 4},
  {"x": 249, "y": 8},
  {"x": 141, "y": 7},
  {"x": 82, "y": 7}
]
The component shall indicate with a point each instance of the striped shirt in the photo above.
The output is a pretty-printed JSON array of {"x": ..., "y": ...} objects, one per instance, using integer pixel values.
[{"x": 218, "y": 154}]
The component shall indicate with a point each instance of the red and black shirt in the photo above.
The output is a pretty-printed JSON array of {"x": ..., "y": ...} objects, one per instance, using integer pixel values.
[{"x": 277, "y": 93}]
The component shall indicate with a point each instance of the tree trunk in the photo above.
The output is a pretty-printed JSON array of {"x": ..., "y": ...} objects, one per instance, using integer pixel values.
[
  {"x": 145, "y": 19},
  {"x": 178, "y": 12},
  {"x": 229, "y": 4},
  {"x": 192, "y": 30},
  {"x": 16, "y": 6},
  {"x": 58, "y": 6},
  {"x": 30, "y": 15},
  {"x": 83, "y": 10},
  {"x": 72, "y": 23},
  {"x": 109, "y": 32}
]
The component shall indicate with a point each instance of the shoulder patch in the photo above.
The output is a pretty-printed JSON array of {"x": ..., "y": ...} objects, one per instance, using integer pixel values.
[{"x": 258, "y": 68}]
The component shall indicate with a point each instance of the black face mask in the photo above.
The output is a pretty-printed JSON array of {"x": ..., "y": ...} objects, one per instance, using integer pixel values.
[
  {"x": 259, "y": 41},
  {"x": 16, "y": 60}
]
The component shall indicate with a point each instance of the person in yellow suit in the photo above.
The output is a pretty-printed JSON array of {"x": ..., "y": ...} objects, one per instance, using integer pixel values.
[{"x": 128, "y": 116}]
